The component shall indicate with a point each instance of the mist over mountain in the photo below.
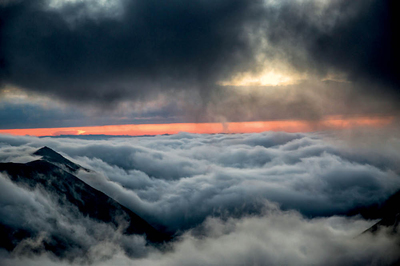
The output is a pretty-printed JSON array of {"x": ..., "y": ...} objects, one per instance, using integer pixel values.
[
  {"x": 250, "y": 199},
  {"x": 73, "y": 199}
]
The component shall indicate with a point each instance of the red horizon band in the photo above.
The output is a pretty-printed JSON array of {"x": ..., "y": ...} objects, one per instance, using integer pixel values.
[{"x": 331, "y": 123}]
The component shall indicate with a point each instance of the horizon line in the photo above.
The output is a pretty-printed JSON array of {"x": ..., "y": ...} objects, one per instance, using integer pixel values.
[{"x": 292, "y": 126}]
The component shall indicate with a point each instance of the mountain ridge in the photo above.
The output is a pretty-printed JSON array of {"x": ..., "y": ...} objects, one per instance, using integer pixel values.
[
  {"x": 63, "y": 186},
  {"x": 55, "y": 158}
]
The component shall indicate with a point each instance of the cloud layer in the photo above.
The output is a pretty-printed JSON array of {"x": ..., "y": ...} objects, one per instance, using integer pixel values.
[
  {"x": 259, "y": 199},
  {"x": 275, "y": 238},
  {"x": 177, "y": 181}
]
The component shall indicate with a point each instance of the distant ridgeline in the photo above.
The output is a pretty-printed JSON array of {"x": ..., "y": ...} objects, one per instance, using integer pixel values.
[{"x": 53, "y": 175}]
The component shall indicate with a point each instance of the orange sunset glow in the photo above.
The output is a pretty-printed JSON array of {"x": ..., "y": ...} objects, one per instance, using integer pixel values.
[{"x": 334, "y": 123}]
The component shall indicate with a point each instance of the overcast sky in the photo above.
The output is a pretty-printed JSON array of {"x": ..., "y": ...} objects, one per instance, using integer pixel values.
[{"x": 80, "y": 63}]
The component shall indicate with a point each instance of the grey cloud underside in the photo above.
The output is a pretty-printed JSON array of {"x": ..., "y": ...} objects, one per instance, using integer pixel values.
[
  {"x": 216, "y": 191},
  {"x": 151, "y": 46},
  {"x": 354, "y": 37},
  {"x": 33, "y": 115},
  {"x": 309, "y": 101}
]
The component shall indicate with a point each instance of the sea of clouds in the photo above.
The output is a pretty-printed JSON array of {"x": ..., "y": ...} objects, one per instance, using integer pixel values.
[{"x": 269, "y": 198}]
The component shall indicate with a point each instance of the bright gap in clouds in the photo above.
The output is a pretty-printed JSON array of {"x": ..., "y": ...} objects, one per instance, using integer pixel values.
[{"x": 264, "y": 79}]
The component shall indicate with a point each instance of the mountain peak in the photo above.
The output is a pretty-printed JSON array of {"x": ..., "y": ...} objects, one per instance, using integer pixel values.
[
  {"x": 55, "y": 158},
  {"x": 45, "y": 150},
  {"x": 50, "y": 155}
]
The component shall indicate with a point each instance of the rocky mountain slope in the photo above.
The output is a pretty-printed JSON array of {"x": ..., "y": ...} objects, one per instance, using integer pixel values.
[{"x": 53, "y": 175}]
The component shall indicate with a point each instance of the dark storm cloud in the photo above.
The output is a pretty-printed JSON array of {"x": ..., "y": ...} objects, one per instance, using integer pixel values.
[
  {"x": 152, "y": 45},
  {"x": 85, "y": 51},
  {"x": 364, "y": 44},
  {"x": 356, "y": 38}
]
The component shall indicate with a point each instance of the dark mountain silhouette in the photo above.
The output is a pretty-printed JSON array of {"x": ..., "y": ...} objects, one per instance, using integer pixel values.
[
  {"x": 389, "y": 214},
  {"x": 54, "y": 175},
  {"x": 57, "y": 159},
  {"x": 386, "y": 211}
]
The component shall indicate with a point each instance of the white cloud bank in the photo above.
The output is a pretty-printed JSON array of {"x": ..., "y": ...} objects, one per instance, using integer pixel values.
[
  {"x": 217, "y": 191},
  {"x": 275, "y": 238}
]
